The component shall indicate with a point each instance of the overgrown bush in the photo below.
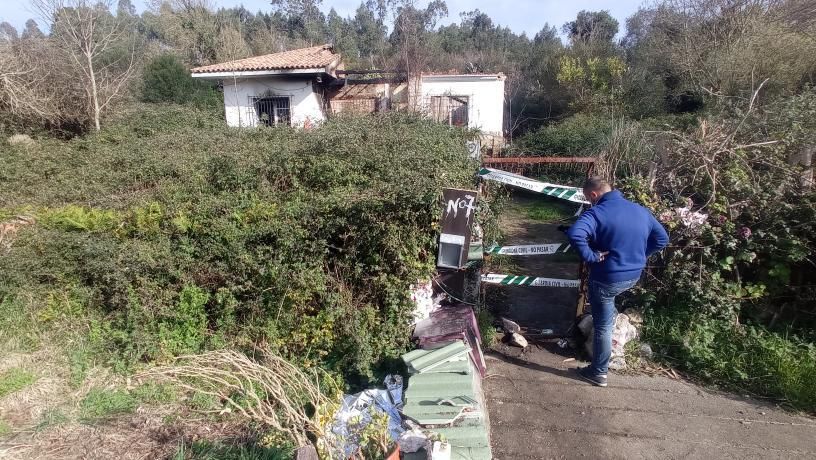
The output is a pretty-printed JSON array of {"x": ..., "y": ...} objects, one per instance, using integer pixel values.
[
  {"x": 579, "y": 135},
  {"x": 731, "y": 298},
  {"x": 166, "y": 79},
  {"x": 174, "y": 239}
]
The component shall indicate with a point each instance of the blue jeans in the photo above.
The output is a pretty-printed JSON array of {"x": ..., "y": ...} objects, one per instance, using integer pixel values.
[{"x": 602, "y": 299}]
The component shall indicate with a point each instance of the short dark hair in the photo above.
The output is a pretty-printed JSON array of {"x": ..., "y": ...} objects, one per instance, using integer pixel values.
[{"x": 596, "y": 183}]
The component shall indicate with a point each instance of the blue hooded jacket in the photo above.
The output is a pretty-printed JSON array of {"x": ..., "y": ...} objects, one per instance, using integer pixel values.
[{"x": 627, "y": 230}]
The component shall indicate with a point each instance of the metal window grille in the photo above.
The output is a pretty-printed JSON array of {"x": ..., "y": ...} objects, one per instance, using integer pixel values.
[
  {"x": 273, "y": 111},
  {"x": 451, "y": 110}
]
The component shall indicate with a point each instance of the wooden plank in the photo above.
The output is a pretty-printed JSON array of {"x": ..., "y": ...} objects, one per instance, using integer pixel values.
[{"x": 536, "y": 160}]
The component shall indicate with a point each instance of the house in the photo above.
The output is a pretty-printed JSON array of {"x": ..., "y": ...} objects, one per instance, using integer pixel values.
[{"x": 303, "y": 87}]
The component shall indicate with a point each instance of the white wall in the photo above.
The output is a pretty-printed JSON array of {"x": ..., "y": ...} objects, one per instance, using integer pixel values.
[
  {"x": 485, "y": 97},
  {"x": 304, "y": 103}
]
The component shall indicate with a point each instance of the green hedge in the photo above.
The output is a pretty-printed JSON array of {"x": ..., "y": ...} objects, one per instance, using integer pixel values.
[{"x": 161, "y": 237}]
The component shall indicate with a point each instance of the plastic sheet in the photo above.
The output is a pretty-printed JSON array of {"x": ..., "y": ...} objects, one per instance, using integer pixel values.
[{"x": 355, "y": 414}]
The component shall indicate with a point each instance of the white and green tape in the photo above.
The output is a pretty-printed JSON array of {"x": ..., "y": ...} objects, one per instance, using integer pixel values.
[
  {"x": 529, "y": 249},
  {"x": 563, "y": 192},
  {"x": 520, "y": 280}
]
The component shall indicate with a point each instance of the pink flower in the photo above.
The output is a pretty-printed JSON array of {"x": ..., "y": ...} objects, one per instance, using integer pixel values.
[{"x": 744, "y": 233}]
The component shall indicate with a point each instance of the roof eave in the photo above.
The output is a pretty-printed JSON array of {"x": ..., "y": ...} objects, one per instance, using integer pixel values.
[
  {"x": 473, "y": 76},
  {"x": 260, "y": 73}
]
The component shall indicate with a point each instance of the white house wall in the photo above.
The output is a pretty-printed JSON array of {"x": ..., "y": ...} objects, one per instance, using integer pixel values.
[
  {"x": 305, "y": 105},
  {"x": 485, "y": 98}
]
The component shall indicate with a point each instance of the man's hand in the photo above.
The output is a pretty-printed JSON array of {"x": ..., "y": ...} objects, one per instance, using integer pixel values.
[{"x": 602, "y": 256}]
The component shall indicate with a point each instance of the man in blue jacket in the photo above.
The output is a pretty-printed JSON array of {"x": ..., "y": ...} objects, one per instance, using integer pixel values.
[{"x": 615, "y": 237}]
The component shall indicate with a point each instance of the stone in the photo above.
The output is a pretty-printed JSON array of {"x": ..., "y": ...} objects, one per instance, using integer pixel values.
[
  {"x": 510, "y": 327},
  {"x": 518, "y": 340},
  {"x": 21, "y": 139}
]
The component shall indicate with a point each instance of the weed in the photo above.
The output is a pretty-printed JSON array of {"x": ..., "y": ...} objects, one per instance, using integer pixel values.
[
  {"x": 184, "y": 331},
  {"x": 549, "y": 210},
  {"x": 156, "y": 393},
  {"x": 18, "y": 331},
  {"x": 101, "y": 404},
  {"x": 5, "y": 428},
  {"x": 747, "y": 358},
  {"x": 204, "y": 450},
  {"x": 79, "y": 218},
  {"x": 51, "y": 418},
  {"x": 203, "y": 402},
  {"x": 15, "y": 379},
  {"x": 486, "y": 328},
  {"x": 503, "y": 263},
  {"x": 79, "y": 362}
]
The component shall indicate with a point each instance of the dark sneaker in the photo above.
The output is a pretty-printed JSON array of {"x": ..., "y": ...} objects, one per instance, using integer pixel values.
[{"x": 597, "y": 380}]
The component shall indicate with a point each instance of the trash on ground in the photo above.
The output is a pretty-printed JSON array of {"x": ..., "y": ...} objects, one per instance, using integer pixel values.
[
  {"x": 393, "y": 383},
  {"x": 422, "y": 295},
  {"x": 623, "y": 332},
  {"x": 356, "y": 413},
  {"x": 645, "y": 351},
  {"x": 449, "y": 324},
  {"x": 440, "y": 451}
]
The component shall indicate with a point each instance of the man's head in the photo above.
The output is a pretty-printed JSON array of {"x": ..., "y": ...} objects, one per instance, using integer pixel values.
[{"x": 595, "y": 187}]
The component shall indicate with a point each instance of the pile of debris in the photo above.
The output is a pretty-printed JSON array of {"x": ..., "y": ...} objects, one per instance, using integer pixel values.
[
  {"x": 626, "y": 329},
  {"x": 444, "y": 398}
]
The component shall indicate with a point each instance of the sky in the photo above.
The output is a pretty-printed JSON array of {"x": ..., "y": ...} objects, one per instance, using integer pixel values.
[{"x": 519, "y": 15}]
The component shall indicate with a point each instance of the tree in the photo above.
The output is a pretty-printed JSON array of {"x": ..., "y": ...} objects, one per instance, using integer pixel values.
[
  {"x": 720, "y": 50},
  {"x": 369, "y": 27},
  {"x": 21, "y": 84},
  {"x": 411, "y": 36},
  {"x": 592, "y": 27},
  {"x": 125, "y": 7},
  {"x": 231, "y": 44},
  {"x": 32, "y": 30},
  {"x": 91, "y": 36},
  {"x": 341, "y": 35},
  {"x": 7, "y": 32},
  {"x": 305, "y": 18},
  {"x": 189, "y": 26}
]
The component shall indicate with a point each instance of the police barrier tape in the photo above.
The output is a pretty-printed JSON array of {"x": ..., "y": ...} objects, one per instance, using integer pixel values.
[
  {"x": 563, "y": 192},
  {"x": 513, "y": 280},
  {"x": 529, "y": 249}
]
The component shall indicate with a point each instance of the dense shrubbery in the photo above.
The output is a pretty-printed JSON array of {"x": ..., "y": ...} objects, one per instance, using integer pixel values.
[
  {"x": 168, "y": 233},
  {"x": 166, "y": 79},
  {"x": 732, "y": 300},
  {"x": 579, "y": 135}
]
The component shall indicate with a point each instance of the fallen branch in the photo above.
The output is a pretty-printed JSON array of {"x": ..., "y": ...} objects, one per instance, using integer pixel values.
[{"x": 270, "y": 391}]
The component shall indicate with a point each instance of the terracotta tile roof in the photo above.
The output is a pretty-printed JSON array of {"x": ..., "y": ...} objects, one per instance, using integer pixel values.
[{"x": 303, "y": 58}]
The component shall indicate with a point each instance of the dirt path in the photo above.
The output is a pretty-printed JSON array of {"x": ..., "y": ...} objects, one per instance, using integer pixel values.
[{"x": 539, "y": 410}]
